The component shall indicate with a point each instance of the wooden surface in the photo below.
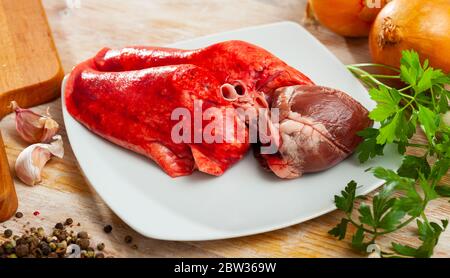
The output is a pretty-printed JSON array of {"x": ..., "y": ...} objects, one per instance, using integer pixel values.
[
  {"x": 79, "y": 32},
  {"x": 30, "y": 71},
  {"x": 8, "y": 196}
]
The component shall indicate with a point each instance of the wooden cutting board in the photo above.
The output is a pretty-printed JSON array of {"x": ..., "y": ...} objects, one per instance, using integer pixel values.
[
  {"x": 30, "y": 73},
  {"x": 30, "y": 70}
]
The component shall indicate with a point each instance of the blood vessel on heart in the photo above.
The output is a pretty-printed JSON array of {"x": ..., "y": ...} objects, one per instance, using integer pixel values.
[{"x": 127, "y": 96}]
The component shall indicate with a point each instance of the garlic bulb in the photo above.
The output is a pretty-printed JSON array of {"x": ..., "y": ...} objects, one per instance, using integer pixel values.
[
  {"x": 31, "y": 160},
  {"x": 32, "y": 127}
]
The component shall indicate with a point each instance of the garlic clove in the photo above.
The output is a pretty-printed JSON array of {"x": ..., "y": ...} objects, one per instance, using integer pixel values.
[
  {"x": 31, "y": 160},
  {"x": 32, "y": 127}
]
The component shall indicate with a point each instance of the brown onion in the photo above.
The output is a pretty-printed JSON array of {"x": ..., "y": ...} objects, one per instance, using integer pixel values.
[
  {"x": 350, "y": 18},
  {"x": 423, "y": 26}
]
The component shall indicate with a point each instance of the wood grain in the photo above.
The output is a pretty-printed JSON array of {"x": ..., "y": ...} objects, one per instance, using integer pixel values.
[
  {"x": 80, "y": 32},
  {"x": 8, "y": 197},
  {"x": 30, "y": 70}
]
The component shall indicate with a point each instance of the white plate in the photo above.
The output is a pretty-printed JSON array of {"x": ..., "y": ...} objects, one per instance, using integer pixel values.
[{"x": 245, "y": 200}]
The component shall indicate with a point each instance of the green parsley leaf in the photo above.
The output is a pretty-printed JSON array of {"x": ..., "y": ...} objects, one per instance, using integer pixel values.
[
  {"x": 404, "y": 250},
  {"x": 387, "y": 103},
  {"x": 365, "y": 215},
  {"x": 340, "y": 229},
  {"x": 369, "y": 147},
  {"x": 347, "y": 198},
  {"x": 440, "y": 168},
  {"x": 358, "y": 240},
  {"x": 443, "y": 190},
  {"x": 412, "y": 165},
  {"x": 388, "y": 130},
  {"x": 429, "y": 120},
  {"x": 391, "y": 219}
]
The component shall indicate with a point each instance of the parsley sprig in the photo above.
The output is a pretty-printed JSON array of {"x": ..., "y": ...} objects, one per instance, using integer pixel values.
[{"x": 407, "y": 191}]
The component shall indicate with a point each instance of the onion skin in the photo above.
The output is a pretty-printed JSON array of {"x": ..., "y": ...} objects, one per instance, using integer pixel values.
[
  {"x": 349, "y": 18},
  {"x": 423, "y": 26}
]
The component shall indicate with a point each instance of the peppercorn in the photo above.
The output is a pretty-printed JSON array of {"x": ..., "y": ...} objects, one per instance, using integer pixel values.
[
  {"x": 52, "y": 246},
  {"x": 99, "y": 255},
  {"x": 23, "y": 240},
  {"x": 61, "y": 251},
  {"x": 7, "y": 233},
  {"x": 59, "y": 226},
  {"x": 90, "y": 254},
  {"x": 45, "y": 248},
  {"x": 22, "y": 250},
  {"x": 41, "y": 232},
  {"x": 128, "y": 239},
  {"x": 83, "y": 235},
  {"x": 107, "y": 229},
  {"x": 56, "y": 232},
  {"x": 62, "y": 236},
  {"x": 37, "y": 252},
  {"x": 62, "y": 244},
  {"x": 9, "y": 248},
  {"x": 83, "y": 243},
  {"x": 19, "y": 214},
  {"x": 68, "y": 222},
  {"x": 101, "y": 246}
]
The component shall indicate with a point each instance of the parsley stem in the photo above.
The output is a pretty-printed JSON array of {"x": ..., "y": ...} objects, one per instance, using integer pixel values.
[
  {"x": 424, "y": 217},
  {"x": 432, "y": 97},
  {"x": 406, "y": 95},
  {"x": 382, "y": 76},
  {"x": 398, "y": 227},
  {"x": 406, "y": 88},
  {"x": 375, "y": 65},
  {"x": 362, "y": 74},
  {"x": 354, "y": 223}
]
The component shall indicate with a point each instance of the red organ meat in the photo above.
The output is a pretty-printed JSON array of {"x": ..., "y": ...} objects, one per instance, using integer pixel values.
[
  {"x": 250, "y": 68},
  {"x": 127, "y": 96},
  {"x": 133, "y": 109},
  {"x": 318, "y": 127}
]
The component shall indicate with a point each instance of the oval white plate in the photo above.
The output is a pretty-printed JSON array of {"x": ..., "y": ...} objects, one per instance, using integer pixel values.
[{"x": 245, "y": 200}]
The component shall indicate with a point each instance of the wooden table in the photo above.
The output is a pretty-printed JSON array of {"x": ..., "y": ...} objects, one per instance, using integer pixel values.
[{"x": 80, "y": 28}]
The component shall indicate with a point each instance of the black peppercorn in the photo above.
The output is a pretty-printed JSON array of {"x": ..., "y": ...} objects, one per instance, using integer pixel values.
[
  {"x": 45, "y": 249},
  {"x": 59, "y": 226},
  {"x": 83, "y": 243},
  {"x": 69, "y": 221},
  {"x": 107, "y": 229},
  {"x": 22, "y": 250},
  {"x": 7, "y": 233},
  {"x": 83, "y": 235},
  {"x": 101, "y": 246},
  {"x": 19, "y": 214},
  {"x": 128, "y": 239}
]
